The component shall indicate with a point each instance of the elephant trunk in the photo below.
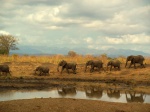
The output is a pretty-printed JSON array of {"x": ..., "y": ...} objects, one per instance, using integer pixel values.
[
  {"x": 58, "y": 68},
  {"x": 85, "y": 68},
  {"x": 107, "y": 66},
  {"x": 126, "y": 63}
]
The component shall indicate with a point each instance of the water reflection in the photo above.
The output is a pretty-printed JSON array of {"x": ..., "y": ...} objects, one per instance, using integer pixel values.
[
  {"x": 63, "y": 91},
  {"x": 113, "y": 93},
  {"x": 93, "y": 92},
  {"x": 135, "y": 97},
  {"x": 87, "y": 92}
]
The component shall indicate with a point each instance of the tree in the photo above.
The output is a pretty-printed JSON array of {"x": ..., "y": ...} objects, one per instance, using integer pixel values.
[
  {"x": 2, "y": 51},
  {"x": 7, "y": 43},
  {"x": 72, "y": 53}
]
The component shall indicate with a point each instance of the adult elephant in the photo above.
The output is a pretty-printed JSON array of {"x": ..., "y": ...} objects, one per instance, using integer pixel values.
[
  {"x": 98, "y": 64},
  {"x": 114, "y": 63},
  {"x": 67, "y": 66},
  {"x": 135, "y": 59},
  {"x": 42, "y": 70},
  {"x": 4, "y": 69}
]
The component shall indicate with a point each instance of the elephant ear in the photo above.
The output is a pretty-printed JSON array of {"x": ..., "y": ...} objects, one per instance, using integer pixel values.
[
  {"x": 89, "y": 62},
  {"x": 132, "y": 58},
  {"x": 92, "y": 62},
  {"x": 111, "y": 62},
  {"x": 64, "y": 63}
]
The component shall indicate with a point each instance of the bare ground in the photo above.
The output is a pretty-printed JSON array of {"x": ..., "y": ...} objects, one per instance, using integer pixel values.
[{"x": 70, "y": 105}]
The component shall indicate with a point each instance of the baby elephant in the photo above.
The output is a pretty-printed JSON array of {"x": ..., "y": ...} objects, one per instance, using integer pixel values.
[
  {"x": 67, "y": 66},
  {"x": 114, "y": 63},
  {"x": 4, "y": 69},
  {"x": 42, "y": 70}
]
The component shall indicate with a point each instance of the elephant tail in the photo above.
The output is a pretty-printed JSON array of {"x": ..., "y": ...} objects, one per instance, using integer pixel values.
[
  {"x": 126, "y": 64},
  {"x": 58, "y": 68},
  {"x": 85, "y": 68}
]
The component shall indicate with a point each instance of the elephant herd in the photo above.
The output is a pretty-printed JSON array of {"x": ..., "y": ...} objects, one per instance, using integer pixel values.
[
  {"x": 99, "y": 64},
  {"x": 93, "y": 64}
]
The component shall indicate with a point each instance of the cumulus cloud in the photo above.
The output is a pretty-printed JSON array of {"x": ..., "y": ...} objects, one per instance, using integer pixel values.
[
  {"x": 4, "y": 32},
  {"x": 78, "y": 23},
  {"x": 89, "y": 40},
  {"x": 130, "y": 39}
]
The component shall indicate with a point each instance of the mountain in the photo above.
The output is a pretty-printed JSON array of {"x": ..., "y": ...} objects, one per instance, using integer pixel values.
[{"x": 40, "y": 50}]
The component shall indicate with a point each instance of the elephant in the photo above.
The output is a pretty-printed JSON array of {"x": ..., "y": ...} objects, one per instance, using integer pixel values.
[
  {"x": 134, "y": 98},
  {"x": 114, "y": 63},
  {"x": 98, "y": 64},
  {"x": 67, "y": 91},
  {"x": 135, "y": 59},
  {"x": 113, "y": 93},
  {"x": 67, "y": 66},
  {"x": 42, "y": 69},
  {"x": 93, "y": 92},
  {"x": 4, "y": 69}
]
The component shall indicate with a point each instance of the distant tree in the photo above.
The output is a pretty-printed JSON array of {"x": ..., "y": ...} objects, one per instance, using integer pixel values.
[
  {"x": 104, "y": 55},
  {"x": 7, "y": 43},
  {"x": 72, "y": 53}
]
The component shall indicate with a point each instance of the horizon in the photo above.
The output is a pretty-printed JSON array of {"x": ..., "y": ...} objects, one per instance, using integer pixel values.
[{"x": 99, "y": 25}]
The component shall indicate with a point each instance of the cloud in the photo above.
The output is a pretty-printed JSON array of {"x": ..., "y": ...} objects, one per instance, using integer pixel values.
[
  {"x": 89, "y": 40},
  {"x": 4, "y": 32},
  {"x": 130, "y": 39},
  {"x": 95, "y": 24}
]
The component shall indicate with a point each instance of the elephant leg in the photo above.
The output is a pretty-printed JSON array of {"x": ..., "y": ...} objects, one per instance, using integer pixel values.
[
  {"x": 40, "y": 73},
  {"x": 35, "y": 72},
  {"x": 119, "y": 68},
  {"x": 92, "y": 69},
  {"x": 62, "y": 70},
  {"x": 67, "y": 70},
  {"x": 142, "y": 65},
  {"x": 103, "y": 69},
  {"x": 130, "y": 65},
  {"x": 99, "y": 69},
  {"x": 74, "y": 70},
  {"x": 134, "y": 65},
  {"x": 115, "y": 68},
  {"x": 110, "y": 68}
]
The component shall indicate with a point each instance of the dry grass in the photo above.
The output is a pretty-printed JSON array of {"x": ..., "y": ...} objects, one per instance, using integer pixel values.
[
  {"x": 53, "y": 59},
  {"x": 79, "y": 59},
  {"x": 24, "y": 65}
]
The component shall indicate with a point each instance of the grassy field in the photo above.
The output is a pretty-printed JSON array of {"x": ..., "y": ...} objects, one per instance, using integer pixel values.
[
  {"x": 21, "y": 66},
  {"x": 79, "y": 59}
]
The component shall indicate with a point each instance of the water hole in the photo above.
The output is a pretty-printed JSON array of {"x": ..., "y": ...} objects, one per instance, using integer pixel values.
[{"x": 89, "y": 93}]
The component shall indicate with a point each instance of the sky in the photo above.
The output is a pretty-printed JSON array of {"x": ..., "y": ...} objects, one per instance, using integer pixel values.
[{"x": 92, "y": 24}]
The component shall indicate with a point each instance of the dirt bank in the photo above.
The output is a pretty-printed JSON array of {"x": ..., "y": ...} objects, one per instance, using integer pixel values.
[
  {"x": 105, "y": 82},
  {"x": 70, "y": 105}
]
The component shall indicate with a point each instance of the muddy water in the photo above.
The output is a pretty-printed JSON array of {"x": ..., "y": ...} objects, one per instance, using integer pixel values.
[{"x": 71, "y": 92}]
